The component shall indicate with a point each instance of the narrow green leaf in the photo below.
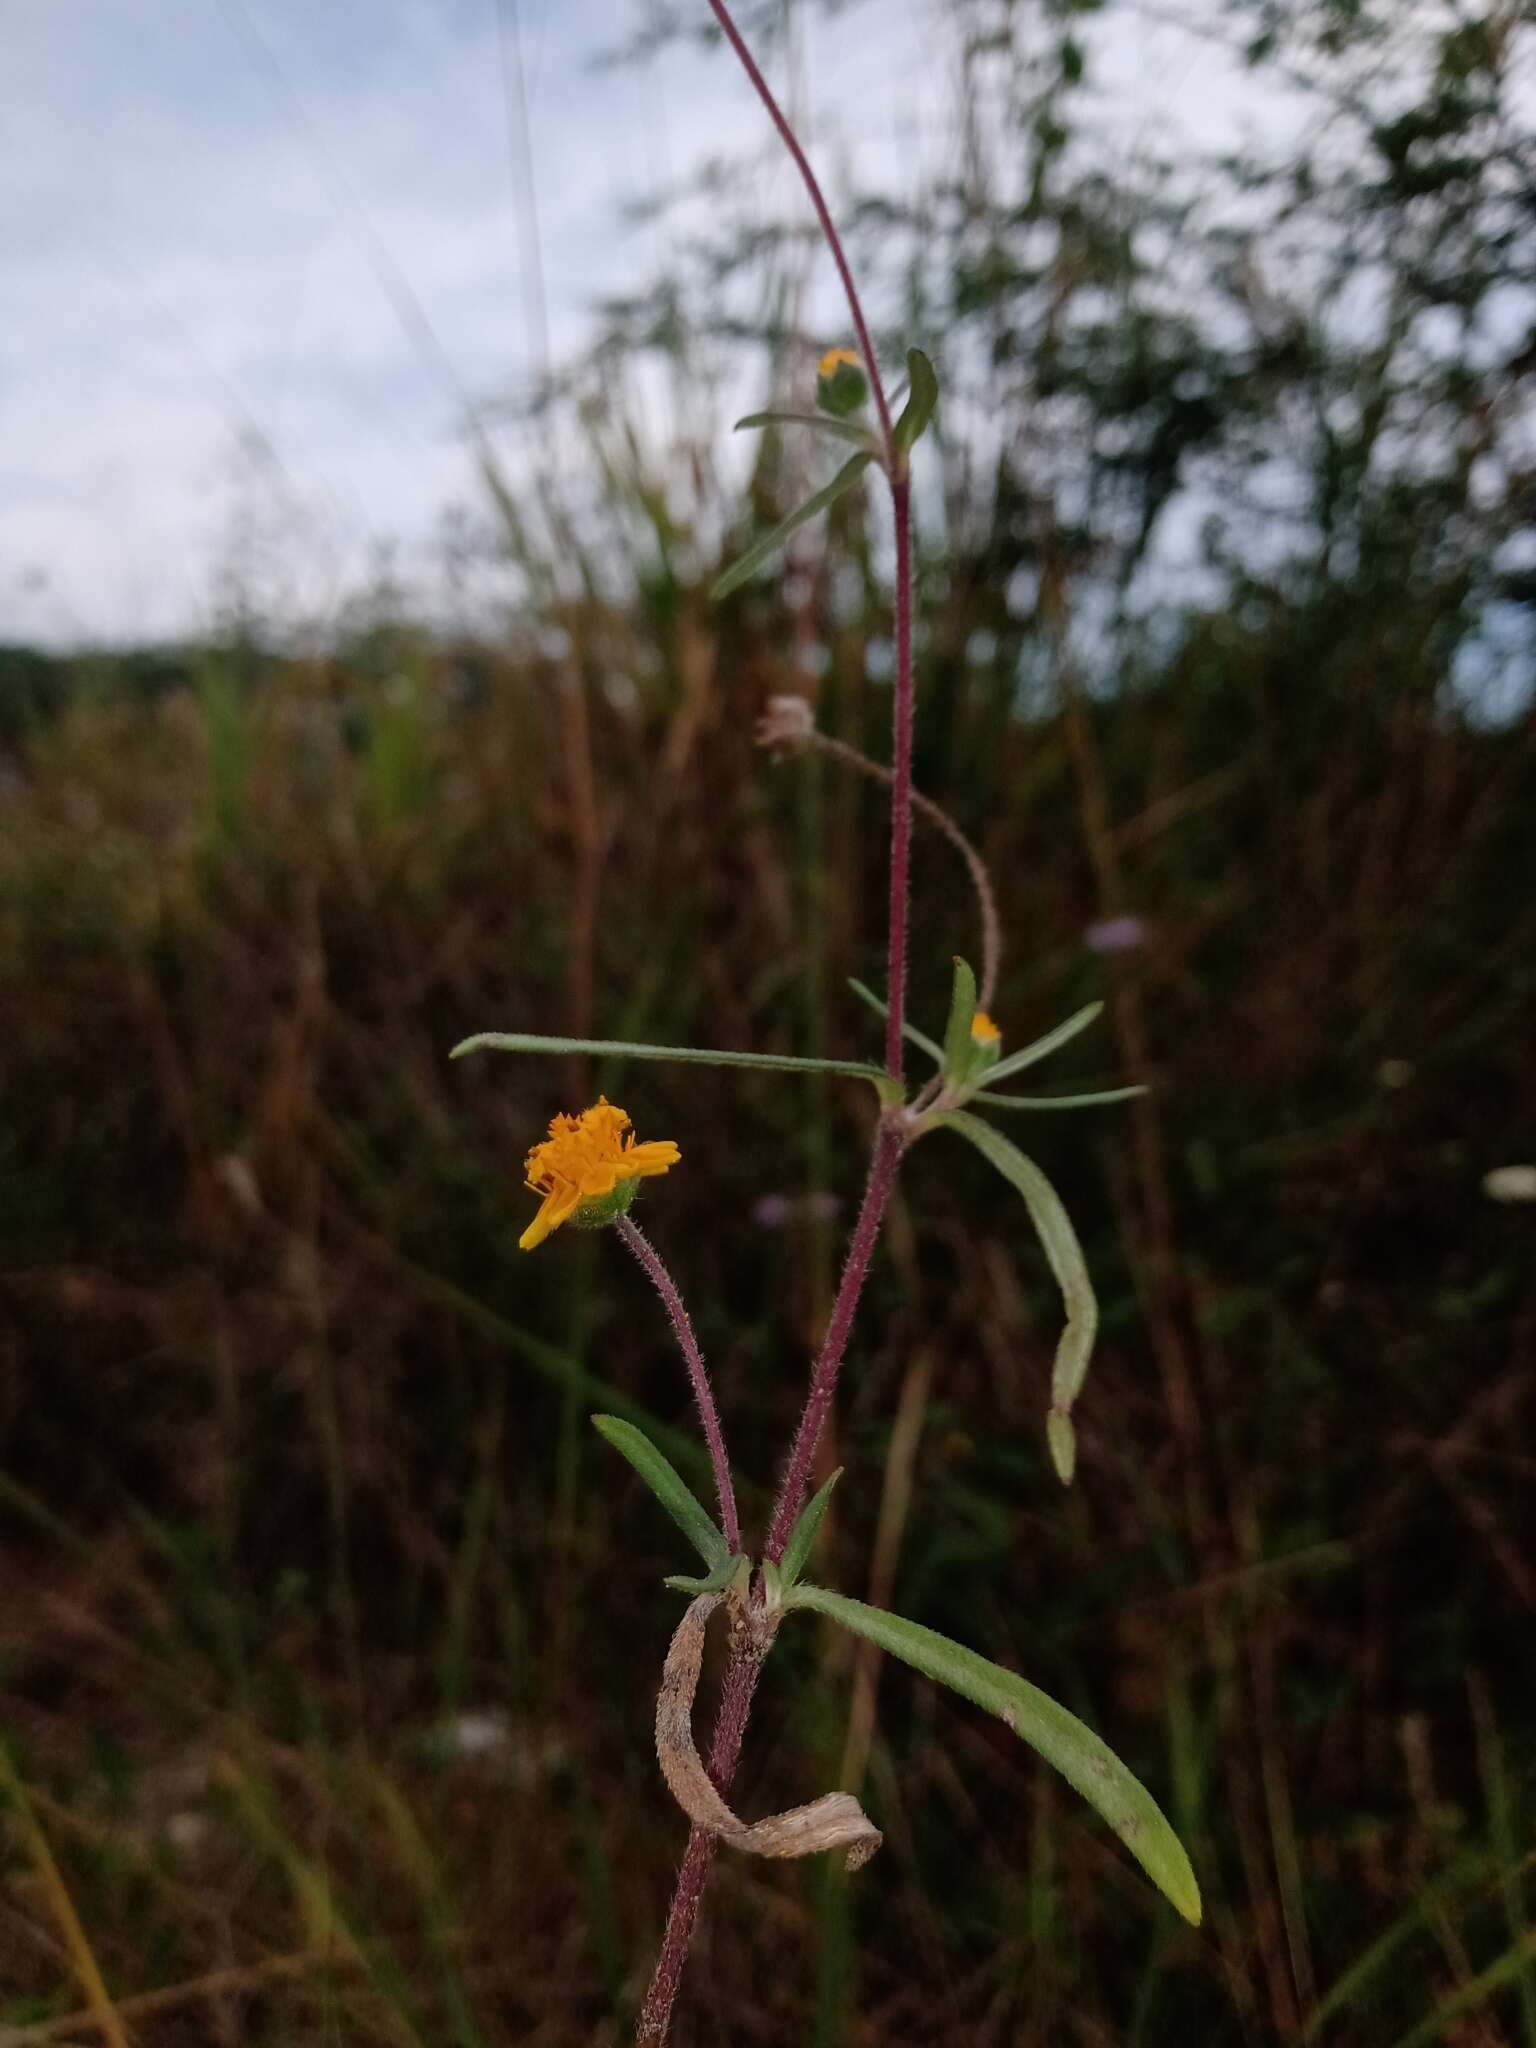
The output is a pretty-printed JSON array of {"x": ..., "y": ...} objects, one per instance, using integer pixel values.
[
  {"x": 669, "y": 1487},
  {"x": 1087, "y": 1764},
  {"x": 712, "y": 1582},
  {"x": 1473, "y": 1867},
  {"x": 1504, "y": 1830},
  {"x": 844, "y": 430},
  {"x": 1054, "y": 1228},
  {"x": 803, "y": 1534},
  {"x": 698, "y": 1055},
  {"x": 1508, "y": 1969},
  {"x": 1027, "y": 1055},
  {"x": 959, "y": 1052},
  {"x": 921, "y": 400},
  {"x": 1093, "y": 1101},
  {"x": 1062, "y": 1439},
  {"x": 910, "y": 1031},
  {"x": 770, "y": 543}
]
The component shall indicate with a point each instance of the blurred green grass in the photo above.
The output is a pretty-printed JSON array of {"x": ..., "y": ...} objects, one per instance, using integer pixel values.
[{"x": 332, "y": 1635}]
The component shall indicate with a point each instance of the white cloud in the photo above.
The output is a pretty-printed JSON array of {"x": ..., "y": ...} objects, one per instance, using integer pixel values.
[{"x": 180, "y": 269}]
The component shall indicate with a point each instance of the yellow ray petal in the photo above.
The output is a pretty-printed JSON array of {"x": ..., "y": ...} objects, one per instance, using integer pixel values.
[
  {"x": 557, "y": 1207},
  {"x": 656, "y": 1157}
]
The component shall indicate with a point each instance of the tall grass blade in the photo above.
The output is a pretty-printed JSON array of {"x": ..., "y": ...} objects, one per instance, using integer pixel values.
[
  {"x": 1503, "y": 1827},
  {"x": 51, "y": 1883}
]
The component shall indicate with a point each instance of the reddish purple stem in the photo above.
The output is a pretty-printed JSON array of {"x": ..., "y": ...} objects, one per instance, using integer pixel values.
[
  {"x": 736, "y": 1693},
  {"x": 792, "y": 143},
  {"x": 896, "y": 474},
  {"x": 866, "y": 1232},
  {"x": 901, "y": 783},
  {"x": 703, "y": 1393},
  {"x": 742, "y": 1672}
]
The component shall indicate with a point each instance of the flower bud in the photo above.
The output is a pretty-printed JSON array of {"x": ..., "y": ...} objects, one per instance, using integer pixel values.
[
  {"x": 841, "y": 385},
  {"x": 787, "y": 724}
]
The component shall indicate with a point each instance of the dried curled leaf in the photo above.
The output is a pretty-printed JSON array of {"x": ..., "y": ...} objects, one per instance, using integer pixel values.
[{"x": 834, "y": 1821}]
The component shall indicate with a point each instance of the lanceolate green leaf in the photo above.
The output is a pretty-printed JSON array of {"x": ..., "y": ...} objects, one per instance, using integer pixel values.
[
  {"x": 1054, "y": 1228},
  {"x": 1094, "y": 1101},
  {"x": 765, "y": 548},
  {"x": 843, "y": 430},
  {"x": 1027, "y": 1055},
  {"x": 921, "y": 400},
  {"x": 957, "y": 1032},
  {"x": 669, "y": 1488},
  {"x": 1087, "y": 1764},
  {"x": 698, "y": 1055},
  {"x": 803, "y": 1534},
  {"x": 910, "y": 1031}
]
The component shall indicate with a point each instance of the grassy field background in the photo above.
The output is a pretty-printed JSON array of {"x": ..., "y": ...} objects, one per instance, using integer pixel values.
[{"x": 332, "y": 1630}]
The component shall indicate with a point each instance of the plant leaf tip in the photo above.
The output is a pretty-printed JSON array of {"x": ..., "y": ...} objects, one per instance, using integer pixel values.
[{"x": 1183, "y": 1893}]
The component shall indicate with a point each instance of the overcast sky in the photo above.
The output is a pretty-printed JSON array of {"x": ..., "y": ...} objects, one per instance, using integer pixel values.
[{"x": 205, "y": 205}]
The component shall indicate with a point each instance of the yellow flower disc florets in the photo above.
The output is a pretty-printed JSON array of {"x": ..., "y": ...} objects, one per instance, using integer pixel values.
[
  {"x": 584, "y": 1163},
  {"x": 827, "y": 367}
]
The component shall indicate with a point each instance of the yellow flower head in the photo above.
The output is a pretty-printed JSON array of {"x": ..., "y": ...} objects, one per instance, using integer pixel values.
[
  {"x": 983, "y": 1030},
  {"x": 828, "y": 365},
  {"x": 588, "y": 1168}
]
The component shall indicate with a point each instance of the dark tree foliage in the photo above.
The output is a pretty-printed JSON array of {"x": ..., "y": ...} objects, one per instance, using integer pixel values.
[{"x": 1273, "y": 381}]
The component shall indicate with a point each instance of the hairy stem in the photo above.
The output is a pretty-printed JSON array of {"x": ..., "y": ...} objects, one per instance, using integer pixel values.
[
  {"x": 736, "y": 1693},
  {"x": 890, "y": 1138},
  {"x": 981, "y": 881},
  {"x": 889, "y": 1143},
  {"x": 901, "y": 781},
  {"x": 651, "y": 1260},
  {"x": 802, "y": 164}
]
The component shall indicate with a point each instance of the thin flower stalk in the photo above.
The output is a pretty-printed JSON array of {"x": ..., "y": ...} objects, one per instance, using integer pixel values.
[
  {"x": 976, "y": 867},
  {"x": 896, "y": 475},
  {"x": 655, "y": 1270},
  {"x": 791, "y": 142}
]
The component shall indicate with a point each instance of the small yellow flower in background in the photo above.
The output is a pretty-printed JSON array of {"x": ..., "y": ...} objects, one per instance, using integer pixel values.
[
  {"x": 983, "y": 1030},
  {"x": 587, "y": 1169},
  {"x": 828, "y": 365},
  {"x": 841, "y": 385}
]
